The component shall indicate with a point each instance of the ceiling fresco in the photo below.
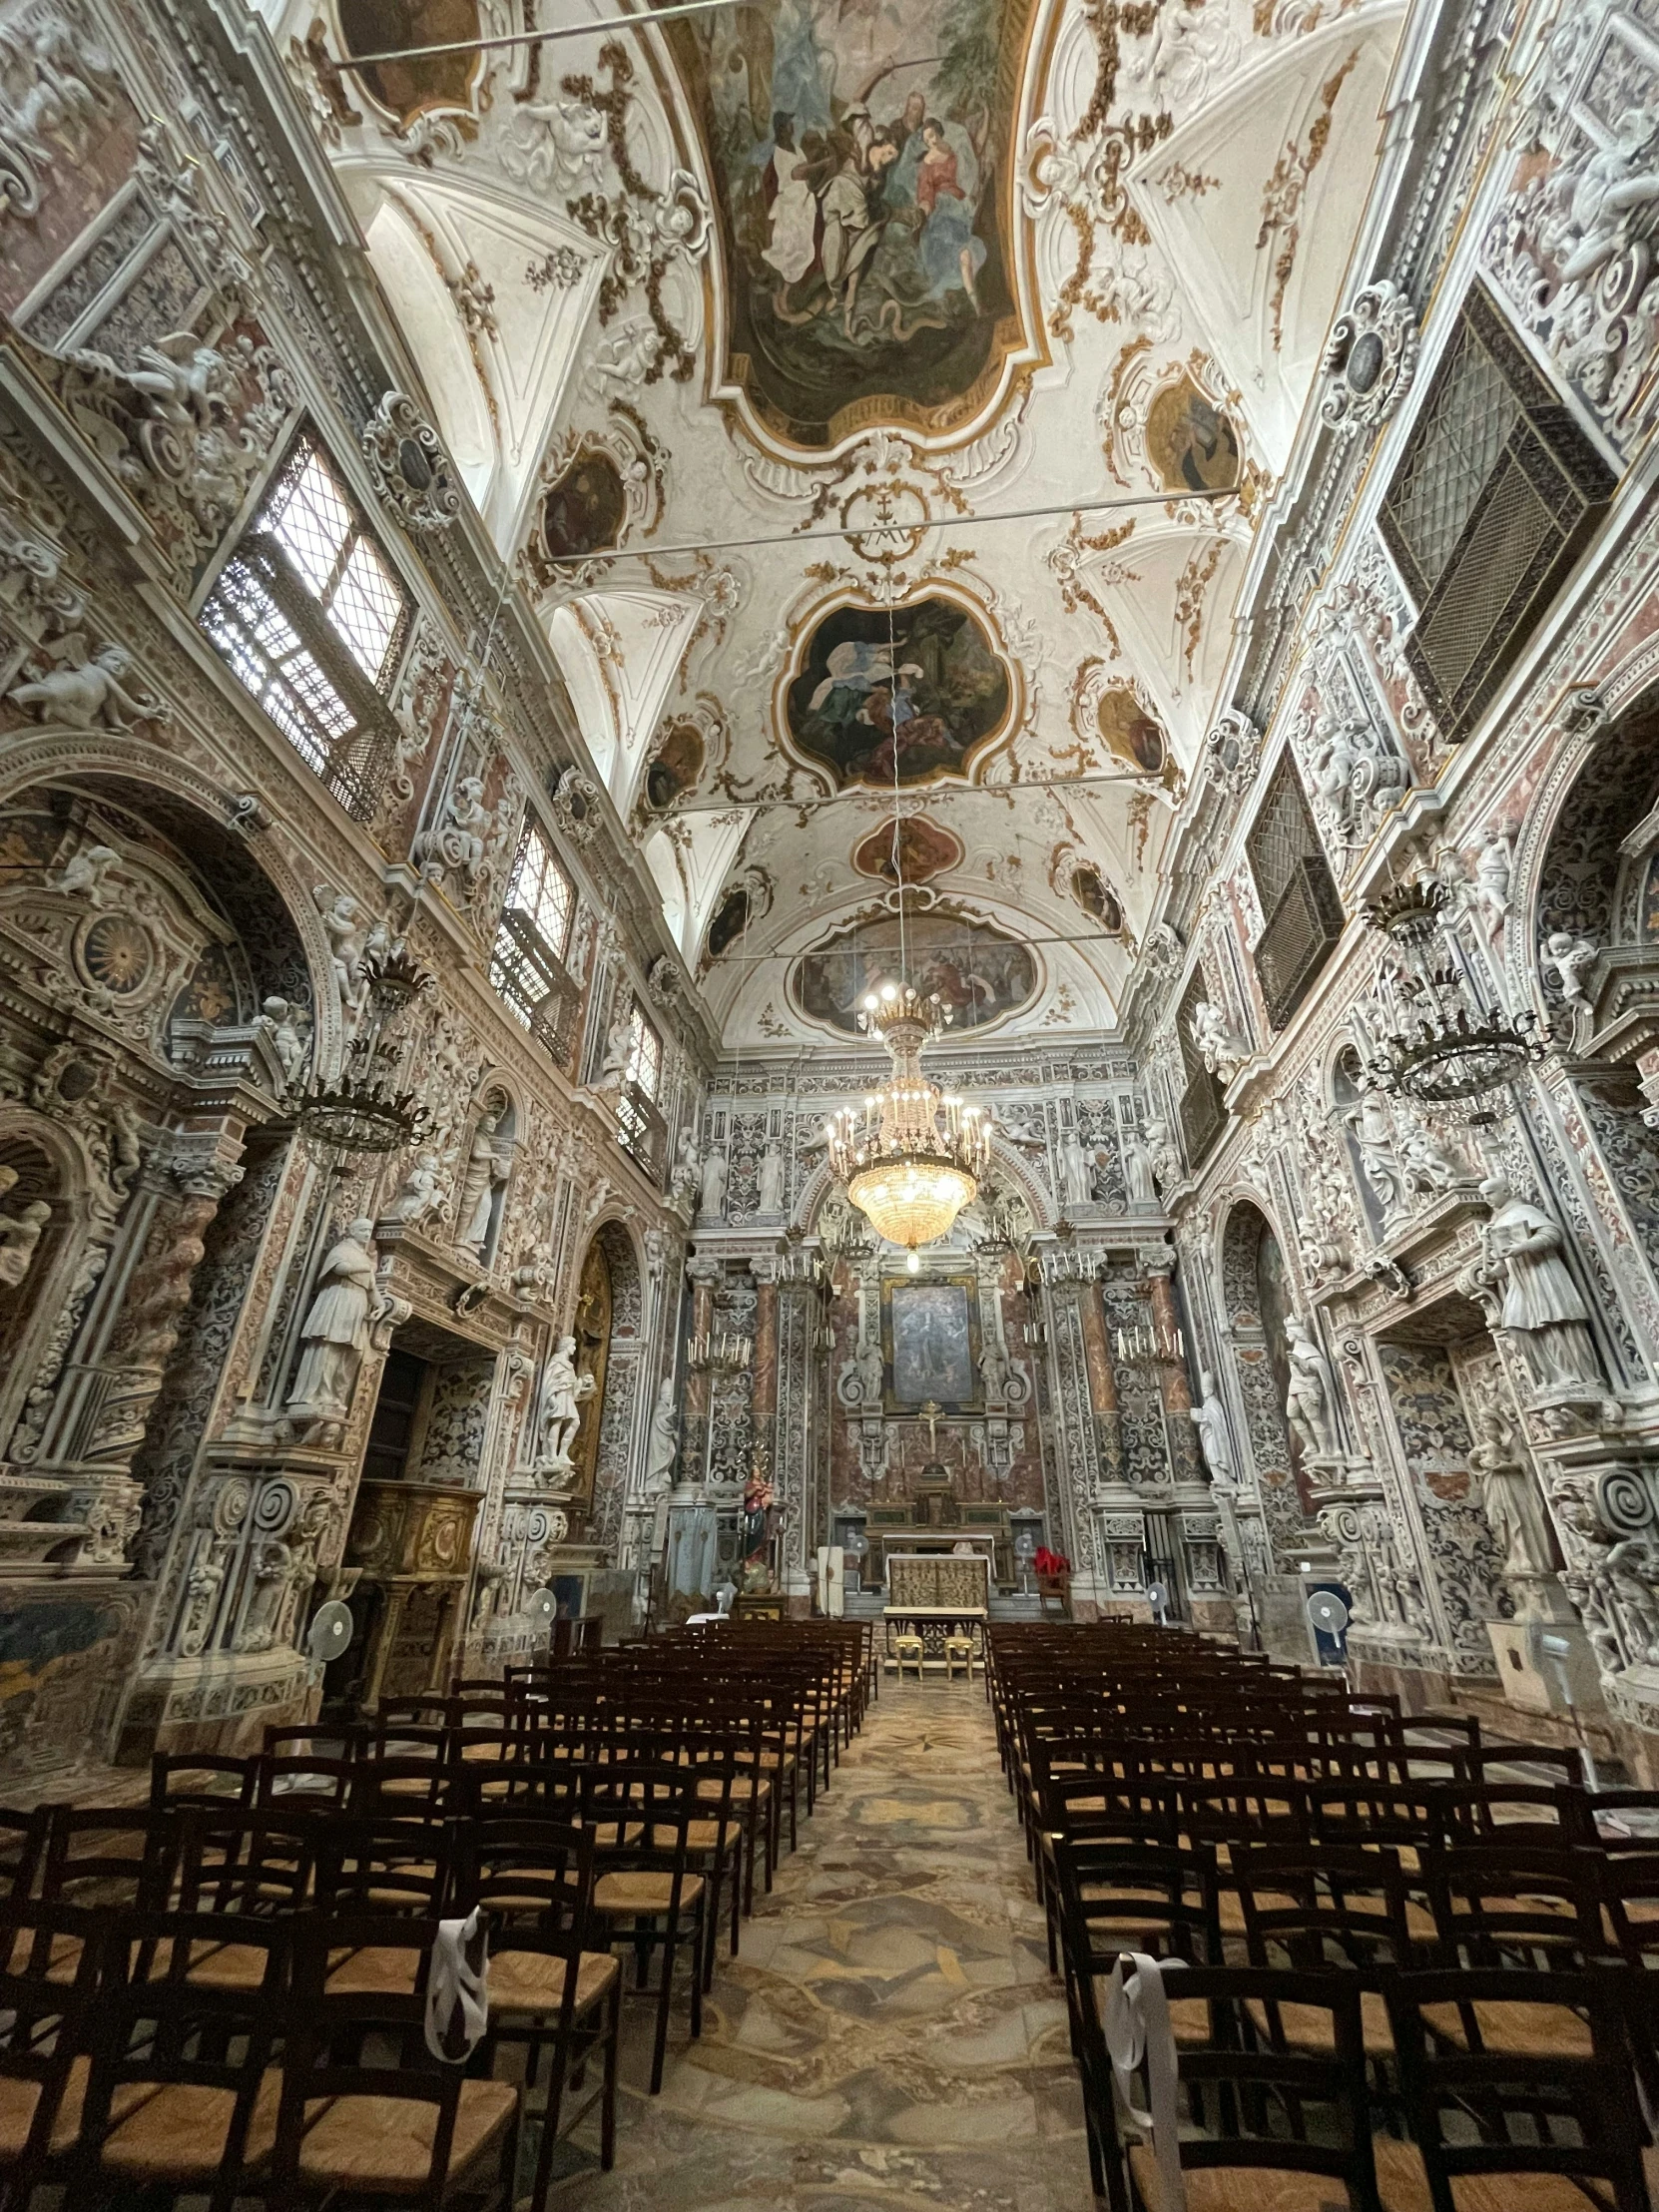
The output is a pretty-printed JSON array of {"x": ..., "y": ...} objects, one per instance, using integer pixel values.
[
  {"x": 981, "y": 975},
  {"x": 873, "y": 396},
  {"x": 860, "y": 157},
  {"x": 903, "y": 695}
]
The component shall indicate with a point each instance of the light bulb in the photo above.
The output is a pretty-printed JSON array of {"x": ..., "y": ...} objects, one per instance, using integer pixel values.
[{"x": 913, "y": 1262}]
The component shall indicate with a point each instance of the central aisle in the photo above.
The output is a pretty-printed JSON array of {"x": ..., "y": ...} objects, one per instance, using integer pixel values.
[{"x": 891, "y": 2030}]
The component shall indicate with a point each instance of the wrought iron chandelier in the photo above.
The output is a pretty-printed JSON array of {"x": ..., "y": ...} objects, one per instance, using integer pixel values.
[
  {"x": 1438, "y": 1030},
  {"x": 911, "y": 1156},
  {"x": 368, "y": 1107}
]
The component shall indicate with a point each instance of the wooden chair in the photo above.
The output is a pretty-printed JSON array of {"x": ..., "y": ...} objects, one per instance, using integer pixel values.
[
  {"x": 1560, "y": 2102},
  {"x": 182, "y": 2092},
  {"x": 22, "y": 1840},
  {"x": 1250, "y": 2111},
  {"x": 548, "y": 1991},
  {"x": 646, "y": 1893},
  {"x": 46, "y": 2026},
  {"x": 366, "y": 2110},
  {"x": 201, "y": 1777}
]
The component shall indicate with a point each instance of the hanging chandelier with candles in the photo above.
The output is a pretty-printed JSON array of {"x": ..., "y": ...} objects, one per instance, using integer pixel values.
[
  {"x": 911, "y": 1156},
  {"x": 1436, "y": 1028}
]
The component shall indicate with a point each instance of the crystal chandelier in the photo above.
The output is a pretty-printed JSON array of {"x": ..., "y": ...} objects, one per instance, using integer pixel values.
[
  {"x": 909, "y": 1156},
  {"x": 1438, "y": 1032}
]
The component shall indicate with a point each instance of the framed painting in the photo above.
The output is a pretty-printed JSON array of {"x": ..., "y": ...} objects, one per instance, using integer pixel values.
[{"x": 931, "y": 1333}]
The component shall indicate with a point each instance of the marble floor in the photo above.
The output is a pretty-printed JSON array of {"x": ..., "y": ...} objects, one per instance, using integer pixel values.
[{"x": 890, "y": 2033}]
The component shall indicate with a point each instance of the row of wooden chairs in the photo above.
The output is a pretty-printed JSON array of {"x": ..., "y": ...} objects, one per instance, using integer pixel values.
[{"x": 1264, "y": 1826}]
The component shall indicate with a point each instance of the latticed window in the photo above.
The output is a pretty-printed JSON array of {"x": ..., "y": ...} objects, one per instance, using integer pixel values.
[
  {"x": 527, "y": 963},
  {"x": 645, "y": 1056},
  {"x": 312, "y": 619},
  {"x": 1203, "y": 1106},
  {"x": 1299, "y": 902},
  {"x": 1496, "y": 491},
  {"x": 639, "y": 1123}
]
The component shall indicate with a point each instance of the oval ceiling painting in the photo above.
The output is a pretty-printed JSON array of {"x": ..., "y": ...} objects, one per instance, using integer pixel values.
[
  {"x": 979, "y": 974},
  {"x": 924, "y": 680},
  {"x": 860, "y": 157},
  {"x": 907, "y": 852}
]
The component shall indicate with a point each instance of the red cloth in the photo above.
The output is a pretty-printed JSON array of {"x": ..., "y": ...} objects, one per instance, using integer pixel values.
[{"x": 1051, "y": 1562}]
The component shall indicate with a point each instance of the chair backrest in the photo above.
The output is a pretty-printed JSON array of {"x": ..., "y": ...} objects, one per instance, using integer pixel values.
[
  {"x": 201, "y": 1777},
  {"x": 53, "y": 1964},
  {"x": 103, "y": 1856},
  {"x": 1515, "y": 1904},
  {"x": 526, "y": 1873},
  {"x": 1535, "y": 2101},
  {"x": 1322, "y": 1906},
  {"x": 1263, "y": 2104},
  {"x": 252, "y": 1860},
  {"x": 383, "y": 1867},
  {"x": 1117, "y": 1897}
]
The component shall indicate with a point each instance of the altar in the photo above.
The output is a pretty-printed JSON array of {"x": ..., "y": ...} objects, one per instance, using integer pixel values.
[{"x": 935, "y": 1595}]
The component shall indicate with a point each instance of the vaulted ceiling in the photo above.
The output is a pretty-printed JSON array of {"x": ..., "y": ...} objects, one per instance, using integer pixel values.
[{"x": 742, "y": 329}]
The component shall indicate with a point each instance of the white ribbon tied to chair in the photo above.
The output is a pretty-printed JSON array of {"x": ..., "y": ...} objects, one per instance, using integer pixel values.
[
  {"x": 458, "y": 1989},
  {"x": 1137, "y": 2028}
]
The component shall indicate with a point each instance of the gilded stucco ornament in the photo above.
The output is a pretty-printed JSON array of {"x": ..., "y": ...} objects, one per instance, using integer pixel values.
[
  {"x": 410, "y": 469},
  {"x": 1371, "y": 360}
]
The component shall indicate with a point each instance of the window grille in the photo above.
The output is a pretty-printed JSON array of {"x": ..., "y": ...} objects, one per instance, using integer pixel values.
[
  {"x": 1302, "y": 908},
  {"x": 311, "y": 621},
  {"x": 527, "y": 963},
  {"x": 1203, "y": 1108},
  {"x": 1495, "y": 494},
  {"x": 639, "y": 1123}
]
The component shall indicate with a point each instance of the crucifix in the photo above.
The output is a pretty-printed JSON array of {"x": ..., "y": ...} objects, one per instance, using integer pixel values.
[{"x": 930, "y": 1415}]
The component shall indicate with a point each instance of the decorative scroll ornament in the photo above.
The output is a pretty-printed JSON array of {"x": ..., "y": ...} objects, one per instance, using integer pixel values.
[
  {"x": 1437, "y": 1029},
  {"x": 1371, "y": 360},
  {"x": 410, "y": 469},
  {"x": 574, "y": 801},
  {"x": 905, "y": 1173}
]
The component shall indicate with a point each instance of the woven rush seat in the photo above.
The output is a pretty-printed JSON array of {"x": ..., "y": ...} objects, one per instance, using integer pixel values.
[
  {"x": 177, "y": 2131},
  {"x": 534, "y": 1981},
  {"x": 1503, "y": 2024},
  {"x": 18, "y": 2099},
  {"x": 383, "y": 2145},
  {"x": 371, "y": 1970},
  {"x": 1305, "y": 2029},
  {"x": 642, "y": 1891}
]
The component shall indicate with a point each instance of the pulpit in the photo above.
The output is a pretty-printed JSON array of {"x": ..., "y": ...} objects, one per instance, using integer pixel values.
[{"x": 413, "y": 1542}]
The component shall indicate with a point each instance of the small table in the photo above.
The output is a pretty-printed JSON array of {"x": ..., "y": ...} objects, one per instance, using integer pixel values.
[{"x": 933, "y": 1623}]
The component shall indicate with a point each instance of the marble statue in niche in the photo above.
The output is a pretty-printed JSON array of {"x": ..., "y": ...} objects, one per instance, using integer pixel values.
[
  {"x": 19, "y": 1233},
  {"x": 1508, "y": 1498},
  {"x": 488, "y": 1168},
  {"x": 1310, "y": 1401},
  {"x": 711, "y": 1199},
  {"x": 1522, "y": 1254},
  {"x": 771, "y": 1178},
  {"x": 335, "y": 1333},
  {"x": 1210, "y": 1421},
  {"x": 663, "y": 1447},
  {"x": 561, "y": 1409}
]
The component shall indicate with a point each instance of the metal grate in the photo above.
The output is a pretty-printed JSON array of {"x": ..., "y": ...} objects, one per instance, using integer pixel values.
[
  {"x": 1300, "y": 933},
  {"x": 1281, "y": 835},
  {"x": 1450, "y": 459},
  {"x": 1498, "y": 490}
]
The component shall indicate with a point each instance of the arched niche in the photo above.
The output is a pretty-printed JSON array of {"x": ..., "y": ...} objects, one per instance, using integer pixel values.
[
  {"x": 608, "y": 1325},
  {"x": 1598, "y": 884},
  {"x": 43, "y": 1213},
  {"x": 1255, "y": 1295}
]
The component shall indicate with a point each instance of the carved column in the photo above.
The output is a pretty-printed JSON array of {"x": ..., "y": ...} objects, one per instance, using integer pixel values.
[
  {"x": 1159, "y": 1263},
  {"x": 1075, "y": 1421},
  {"x": 1103, "y": 1382},
  {"x": 795, "y": 1429},
  {"x": 764, "y": 1268},
  {"x": 703, "y": 1274}
]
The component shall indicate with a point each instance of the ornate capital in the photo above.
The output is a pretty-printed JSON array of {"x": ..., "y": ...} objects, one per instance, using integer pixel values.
[{"x": 704, "y": 1273}]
